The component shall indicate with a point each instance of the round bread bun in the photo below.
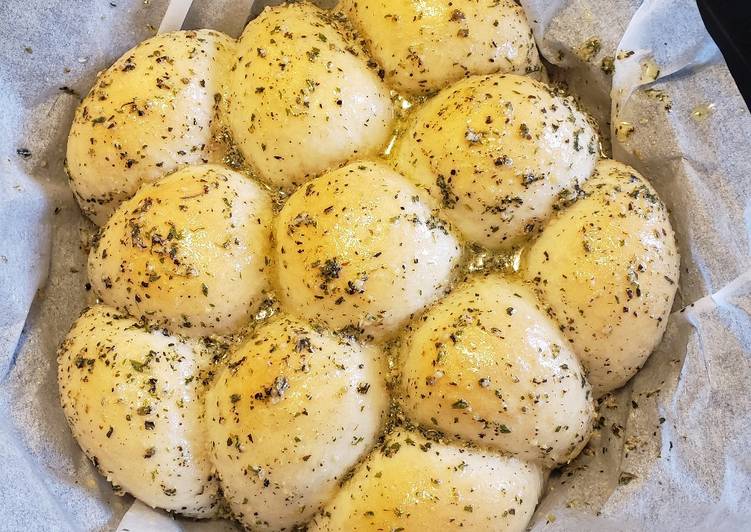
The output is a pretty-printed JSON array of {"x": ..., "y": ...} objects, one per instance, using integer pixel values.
[
  {"x": 152, "y": 112},
  {"x": 424, "y": 46},
  {"x": 190, "y": 252},
  {"x": 134, "y": 400},
  {"x": 358, "y": 250},
  {"x": 487, "y": 365},
  {"x": 607, "y": 269},
  {"x": 498, "y": 152},
  {"x": 292, "y": 412},
  {"x": 303, "y": 99},
  {"x": 411, "y": 483}
]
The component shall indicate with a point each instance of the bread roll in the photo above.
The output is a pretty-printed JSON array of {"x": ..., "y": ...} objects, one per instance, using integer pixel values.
[
  {"x": 607, "y": 269},
  {"x": 424, "y": 46},
  {"x": 291, "y": 413},
  {"x": 498, "y": 152},
  {"x": 487, "y": 365},
  {"x": 153, "y": 111},
  {"x": 358, "y": 249},
  {"x": 190, "y": 252},
  {"x": 411, "y": 483},
  {"x": 134, "y": 400},
  {"x": 303, "y": 99}
]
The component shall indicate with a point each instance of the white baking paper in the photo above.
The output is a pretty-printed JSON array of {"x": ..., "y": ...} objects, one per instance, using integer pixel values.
[{"x": 671, "y": 451}]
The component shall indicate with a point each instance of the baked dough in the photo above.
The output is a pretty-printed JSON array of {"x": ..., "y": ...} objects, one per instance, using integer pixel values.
[
  {"x": 291, "y": 413},
  {"x": 411, "y": 483},
  {"x": 607, "y": 269},
  {"x": 499, "y": 153},
  {"x": 190, "y": 252},
  {"x": 303, "y": 99},
  {"x": 425, "y": 46},
  {"x": 358, "y": 249},
  {"x": 156, "y": 109},
  {"x": 133, "y": 397},
  {"x": 488, "y": 365}
]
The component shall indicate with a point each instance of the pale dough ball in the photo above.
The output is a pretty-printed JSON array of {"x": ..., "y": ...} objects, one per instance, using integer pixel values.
[
  {"x": 153, "y": 111},
  {"x": 487, "y": 365},
  {"x": 607, "y": 268},
  {"x": 424, "y": 46},
  {"x": 134, "y": 400},
  {"x": 498, "y": 152},
  {"x": 410, "y": 483},
  {"x": 358, "y": 250},
  {"x": 293, "y": 411},
  {"x": 303, "y": 99},
  {"x": 190, "y": 252}
]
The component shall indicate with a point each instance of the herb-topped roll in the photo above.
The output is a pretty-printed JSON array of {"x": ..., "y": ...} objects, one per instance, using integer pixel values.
[
  {"x": 190, "y": 252},
  {"x": 155, "y": 110},
  {"x": 607, "y": 270},
  {"x": 488, "y": 365},
  {"x": 412, "y": 483},
  {"x": 292, "y": 412},
  {"x": 500, "y": 153},
  {"x": 424, "y": 46},
  {"x": 360, "y": 250},
  {"x": 303, "y": 99},
  {"x": 134, "y": 400}
]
